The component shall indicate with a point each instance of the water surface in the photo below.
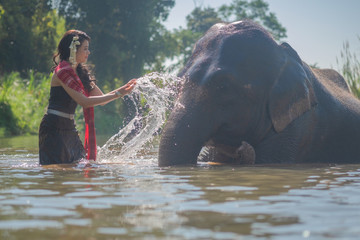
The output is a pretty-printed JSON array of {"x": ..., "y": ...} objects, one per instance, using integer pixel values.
[{"x": 135, "y": 199}]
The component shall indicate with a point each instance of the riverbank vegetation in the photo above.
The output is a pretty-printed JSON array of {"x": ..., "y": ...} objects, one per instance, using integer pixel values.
[
  {"x": 22, "y": 102},
  {"x": 128, "y": 41},
  {"x": 349, "y": 67}
]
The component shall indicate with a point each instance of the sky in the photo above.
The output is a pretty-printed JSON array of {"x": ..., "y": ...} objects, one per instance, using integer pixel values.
[{"x": 316, "y": 29}]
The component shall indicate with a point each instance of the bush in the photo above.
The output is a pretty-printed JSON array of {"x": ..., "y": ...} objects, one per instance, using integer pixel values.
[{"x": 22, "y": 102}]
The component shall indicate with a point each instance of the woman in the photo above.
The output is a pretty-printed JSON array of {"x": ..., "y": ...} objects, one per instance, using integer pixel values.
[{"x": 72, "y": 84}]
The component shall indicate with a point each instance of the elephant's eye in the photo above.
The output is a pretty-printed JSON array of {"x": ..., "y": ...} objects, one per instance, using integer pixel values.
[
  {"x": 224, "y": 85},
  {"x": 220, "y": 84},
  {"x": 219, "y": 81}
]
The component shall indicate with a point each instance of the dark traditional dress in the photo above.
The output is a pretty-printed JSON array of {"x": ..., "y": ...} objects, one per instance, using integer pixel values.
[{"x": 59, "y": 140}]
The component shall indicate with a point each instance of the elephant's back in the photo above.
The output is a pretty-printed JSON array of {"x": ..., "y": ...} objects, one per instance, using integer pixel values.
[{"x": 331, "y": 78}]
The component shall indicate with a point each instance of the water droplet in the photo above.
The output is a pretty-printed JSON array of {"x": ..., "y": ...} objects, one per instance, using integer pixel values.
[{"x": 306, "y": 233}]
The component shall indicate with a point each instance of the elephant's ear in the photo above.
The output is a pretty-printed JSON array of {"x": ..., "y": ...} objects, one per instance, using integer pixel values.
[{"x": 292, "y": 94}]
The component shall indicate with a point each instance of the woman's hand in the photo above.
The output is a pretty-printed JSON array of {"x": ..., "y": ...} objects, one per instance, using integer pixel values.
[{"x": 127, "y": 88}]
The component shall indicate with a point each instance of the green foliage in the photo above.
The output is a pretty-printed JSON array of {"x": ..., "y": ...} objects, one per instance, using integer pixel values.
[
  {"x": 7, "y": 123},
  {"x": 186, "y": 40},
  {"x": 256, "y": 10},
  {"x": 29, "y": 32},
  {"x": 47, "y": 31},
  {"x": 350, "y": 68},
  {"x": 200, "y": 20},
  {"x": 107, "y": 119},
  {"x": 162, "y": 46},
  {"x": 22, "y": 102}
]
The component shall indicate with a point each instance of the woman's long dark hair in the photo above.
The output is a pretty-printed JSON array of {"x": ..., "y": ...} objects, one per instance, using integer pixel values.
[{"x": 63, "y": 54}]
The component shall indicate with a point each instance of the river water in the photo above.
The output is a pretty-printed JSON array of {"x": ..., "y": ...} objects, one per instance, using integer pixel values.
[{"x": 125, "y": 195}]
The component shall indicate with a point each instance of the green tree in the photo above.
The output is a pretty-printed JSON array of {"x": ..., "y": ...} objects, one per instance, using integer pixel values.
[
  {"x": 198, "y": 22},
  {"x": 162, "y": 46},
  {"x": 29, "y": 31},
  {"x": 2, "y": 28},
  {"x": 201, "y": 19},
  {"x": 256, "y": 10}
]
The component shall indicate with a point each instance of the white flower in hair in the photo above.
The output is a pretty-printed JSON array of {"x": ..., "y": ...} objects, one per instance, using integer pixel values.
[{"x": 73, "y": 44}]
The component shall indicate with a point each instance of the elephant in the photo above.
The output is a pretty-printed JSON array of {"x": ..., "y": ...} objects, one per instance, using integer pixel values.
[{"x": 241, "y": 88}]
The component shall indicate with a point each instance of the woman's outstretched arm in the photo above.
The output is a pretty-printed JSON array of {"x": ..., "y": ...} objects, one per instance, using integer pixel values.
[
  {"x": 124, "y": 90},
  {"x": 101, "y": 99}
]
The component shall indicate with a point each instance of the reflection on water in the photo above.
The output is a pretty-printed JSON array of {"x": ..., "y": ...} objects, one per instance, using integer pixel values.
[
  {"x": 125, "y": 195},
  {"x": 137, "y": 200}
]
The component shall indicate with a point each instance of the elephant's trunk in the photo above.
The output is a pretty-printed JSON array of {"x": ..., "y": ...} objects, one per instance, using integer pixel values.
[{"x": 182, "y": 139}]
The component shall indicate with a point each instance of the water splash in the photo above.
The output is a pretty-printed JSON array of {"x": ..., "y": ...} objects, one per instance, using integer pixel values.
[{"x": 152, "y": 98}]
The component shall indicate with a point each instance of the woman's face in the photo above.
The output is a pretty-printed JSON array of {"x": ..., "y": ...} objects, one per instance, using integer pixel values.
[{"x": 83, "y": 52}]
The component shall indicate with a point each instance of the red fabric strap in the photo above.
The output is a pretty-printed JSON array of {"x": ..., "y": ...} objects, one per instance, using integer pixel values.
[{"x": 67, "y": 75}]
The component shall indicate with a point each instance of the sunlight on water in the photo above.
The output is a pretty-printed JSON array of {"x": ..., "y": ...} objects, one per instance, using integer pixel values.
[{"x": 152, "y": 98}]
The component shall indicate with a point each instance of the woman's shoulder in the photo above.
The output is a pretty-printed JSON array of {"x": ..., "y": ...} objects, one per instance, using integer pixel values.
[
  {"x": 55, "y": 81},
  {"x": 63, "y": 66}
]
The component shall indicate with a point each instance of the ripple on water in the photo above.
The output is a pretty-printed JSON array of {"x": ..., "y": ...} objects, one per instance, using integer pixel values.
[
  {"x": 233, "y": 188},
  {"x": 112, "y": 231},
  {"x": 29, "y": 224},
  {"x": 29, "y": 192},
  {"x": 83, "y": 222},
  {"x": 49, "y": 212}
]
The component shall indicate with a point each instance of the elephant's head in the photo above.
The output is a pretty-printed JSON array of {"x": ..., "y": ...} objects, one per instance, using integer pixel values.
[{"x": 239, "y": 85}]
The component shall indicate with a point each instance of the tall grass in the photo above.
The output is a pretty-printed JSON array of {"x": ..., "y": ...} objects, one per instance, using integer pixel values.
[
  {"x": 22, "y": 102},
  {"x": 350, "y": 68}
]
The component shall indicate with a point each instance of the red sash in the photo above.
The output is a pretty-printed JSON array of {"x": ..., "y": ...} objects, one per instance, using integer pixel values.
[{"x": 67, "y": 75}]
